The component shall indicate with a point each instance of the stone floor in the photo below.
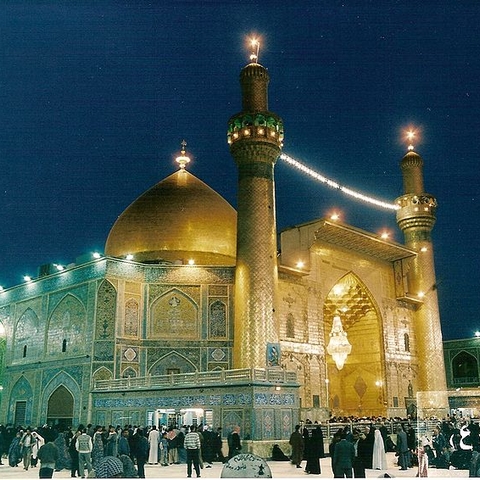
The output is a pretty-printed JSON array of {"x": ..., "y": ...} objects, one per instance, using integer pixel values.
[{"x": 278, "y": 469}]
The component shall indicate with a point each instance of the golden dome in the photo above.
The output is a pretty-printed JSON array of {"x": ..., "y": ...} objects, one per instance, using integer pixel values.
[{"x": 179, "y": 219}]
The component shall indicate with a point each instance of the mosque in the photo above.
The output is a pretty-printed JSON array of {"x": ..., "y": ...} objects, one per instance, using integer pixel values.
[{"x": 195, "y": 314}]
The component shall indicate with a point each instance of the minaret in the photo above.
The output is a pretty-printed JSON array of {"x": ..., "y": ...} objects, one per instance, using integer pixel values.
[
  {"x": 416, "y": 218},
  {"x": 255, "y": 136}
]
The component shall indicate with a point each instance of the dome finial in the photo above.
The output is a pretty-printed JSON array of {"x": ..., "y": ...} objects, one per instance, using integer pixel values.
[
  {"x": 255, "y": 49},
  {"x": 411, "y": 134},
  {"x": 182, "y": 160}
]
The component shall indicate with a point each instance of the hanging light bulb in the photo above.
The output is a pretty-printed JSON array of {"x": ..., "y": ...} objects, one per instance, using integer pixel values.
[{"x": 338, "y": 347}]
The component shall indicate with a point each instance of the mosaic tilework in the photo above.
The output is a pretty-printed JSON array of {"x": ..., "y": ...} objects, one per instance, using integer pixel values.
[
  {"x": 66, "y": 328},
  {"x": 174, "y": 315},
  {"x": 182, "y": 401},
  {"x": 106, "y": 308}
]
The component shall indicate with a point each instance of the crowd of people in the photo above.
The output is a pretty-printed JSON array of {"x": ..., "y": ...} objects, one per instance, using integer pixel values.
[
  {"x": 355, "y": 447},
  {"x": 99, "y": 452},
  {"x": 362, "y": 445}
]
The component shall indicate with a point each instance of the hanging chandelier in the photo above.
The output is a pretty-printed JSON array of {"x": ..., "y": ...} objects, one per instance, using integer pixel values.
[{"x": 338, "y": 347}]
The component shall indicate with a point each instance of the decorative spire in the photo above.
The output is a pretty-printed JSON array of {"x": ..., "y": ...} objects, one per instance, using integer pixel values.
[
  {"x": 182, "y": 160},
  {"x": 410, "y": 136},
  {"x": 255, "y": 48}
]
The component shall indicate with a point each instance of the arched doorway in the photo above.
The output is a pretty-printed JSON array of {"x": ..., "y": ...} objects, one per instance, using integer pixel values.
[
  {"x": 358, "y": 386},
  {"x": 60, "y": 407}
]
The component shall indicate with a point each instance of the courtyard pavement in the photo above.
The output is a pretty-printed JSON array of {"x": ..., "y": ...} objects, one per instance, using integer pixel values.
[{"x": 278, "y": 469}]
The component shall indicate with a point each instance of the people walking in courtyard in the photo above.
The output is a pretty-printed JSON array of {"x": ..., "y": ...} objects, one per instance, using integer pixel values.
[
  {"x": 314, "y": 451},
  {"x": 234, "y": 442},
  {"x": 111, "y": 448},
  {"x": 163, "y": 447},
  {"x": 48, "y": 455},
  {"x": 192, "y": 446},
  {"x": 72, "y": 450},
  {"x": 26, "y": 443},
  {"x": 402, "y": 449},
  {"x": 123, "y": 444},
  {"x": 172, "y": 446},
  {"x": 297, "y": 443},
  {"x": 343, "y": 458},
  {"x": 37, "y": 444},
  {"x": 153, "y": 442},
  {"x": 379, "y": 460},
  {"x": 84, "y": 447},
  {"x": 15, "y": 450},
  {"x": 98, "y": 448}
]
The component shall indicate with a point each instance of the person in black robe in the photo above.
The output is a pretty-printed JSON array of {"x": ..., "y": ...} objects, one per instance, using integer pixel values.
[
  {"x": 314, "y": 452},
  {"x": 359, "y": 443},
  {"x": 369, "y": 441}
]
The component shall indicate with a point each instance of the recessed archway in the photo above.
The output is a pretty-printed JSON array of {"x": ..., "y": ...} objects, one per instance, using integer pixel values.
[
  {"x": 358, "y": 387},
  {"x": 60, "y": 407}
]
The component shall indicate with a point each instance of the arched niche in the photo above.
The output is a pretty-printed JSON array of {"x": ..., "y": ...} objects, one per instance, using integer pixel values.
[
  {"x": 62, "y": 386},
  {"x": 60, "y": 407},
  {"x": 105, "y": 311},
  {"x": 21, "y": 403},
  {"x": 26, "y": 336},
  {"x": 174, "y": 315},
  {"x": 360, "y": 383},
  {"x": 465, "y": 367},
  {"x": 172, "y": 363},
  {"x": 67, "y": 328}
]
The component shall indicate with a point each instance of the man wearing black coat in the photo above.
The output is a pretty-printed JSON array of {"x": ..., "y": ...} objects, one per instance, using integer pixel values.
[{"x": 343, "y": 458}]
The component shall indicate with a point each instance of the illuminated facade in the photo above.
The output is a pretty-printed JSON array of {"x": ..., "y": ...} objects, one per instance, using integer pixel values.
[{"x": 193, "y": 314}]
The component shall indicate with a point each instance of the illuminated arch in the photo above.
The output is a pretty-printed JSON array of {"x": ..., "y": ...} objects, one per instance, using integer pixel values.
[
  {"x": 174, "y": 315},
  {"x": 358, "y": 384}
]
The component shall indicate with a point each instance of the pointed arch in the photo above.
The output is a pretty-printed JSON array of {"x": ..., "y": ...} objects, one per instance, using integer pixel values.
[
  {"x": 21, "y": 403},
  {"x": 72, "y": 390},
  {"x": 106, "y": 311},
  {"x": 102, "y": 373},
  {"x": 351, "y": 301},
  {"x": 26, "y": 336},
  {"x": 465, "y": 366},
  {"x": 173, "y": 362},
  {"x": 60, "y": 407},
  {"x": 129, "y": 372},
  {"x": 174, "y": 315},
  {"x": 67, "y": 328}
]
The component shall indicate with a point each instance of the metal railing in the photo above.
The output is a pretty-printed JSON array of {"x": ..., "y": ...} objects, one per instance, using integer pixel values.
[{"x": 215, "y": 377}]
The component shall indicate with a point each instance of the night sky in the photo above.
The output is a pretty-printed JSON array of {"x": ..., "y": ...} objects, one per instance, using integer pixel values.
[{"x": 95, "y": 98}]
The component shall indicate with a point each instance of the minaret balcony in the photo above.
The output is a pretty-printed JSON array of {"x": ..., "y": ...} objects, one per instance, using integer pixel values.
[
  {"x": 264, "y": 126},
  {"x": 419, "y": 209}
]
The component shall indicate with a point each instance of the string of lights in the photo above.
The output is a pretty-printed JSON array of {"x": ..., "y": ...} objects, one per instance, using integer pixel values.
[{"x": 337, "y": 186}]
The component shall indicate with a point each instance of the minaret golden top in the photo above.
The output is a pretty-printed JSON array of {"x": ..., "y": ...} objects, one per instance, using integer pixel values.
[
  {"x": 182, "y": 160},
  {"x": 255, "y": 49},
  {"x": 410, "y": 136}
]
